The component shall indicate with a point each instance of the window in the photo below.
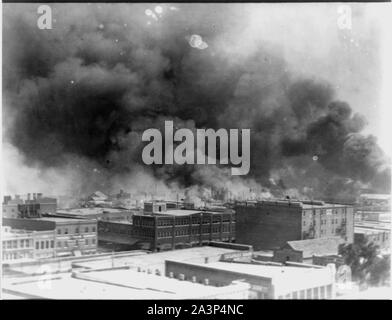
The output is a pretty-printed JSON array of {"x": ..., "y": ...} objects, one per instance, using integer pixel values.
[
  {"x": 59, "y": 244},
  {"x": 77, "y": 230},
  {"x": 52, "y": 244},
  {"x": 93, "y": 241},
  {"x": 42, "y": 244},
  {"x": 93, "y": 229},
  {"x": 37, "y": 245},
  {"x": 315, "y": 293},
  {"x": 58, "y": 231},
  {"x": 66, "y": 231},
  {"x": 86, "y": 241},
  {"x": 66, "y": 244},
  {"x": 322, "y": 292},
  {"x": 22, "y": 243},
  {"x": 47, "y": 244},
  {"x": 86, "y": 229}
]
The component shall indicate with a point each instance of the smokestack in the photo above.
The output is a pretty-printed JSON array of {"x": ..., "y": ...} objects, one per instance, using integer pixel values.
[{"x": 6, "y": 199}]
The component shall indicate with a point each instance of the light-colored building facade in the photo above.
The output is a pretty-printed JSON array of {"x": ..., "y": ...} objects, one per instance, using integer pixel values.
[
  {"x": 23, "y": 245},
  {"x": 71, "y": 236},
  {"x": 266, "y": 281}
]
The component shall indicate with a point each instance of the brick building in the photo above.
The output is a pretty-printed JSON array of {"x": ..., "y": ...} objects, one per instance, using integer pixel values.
[
  {"x": 270, "y": 224},
  {"x": 161, "y": 229}
]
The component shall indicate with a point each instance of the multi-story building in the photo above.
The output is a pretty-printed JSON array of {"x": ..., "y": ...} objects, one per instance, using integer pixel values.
[
  {"x": 71, "y": 236},
  {"x": 21, "y": 245},
  {"x": 161, "y": 229},
  {"x": 374, "y": 202},
  {"x": 10, "y": 206},
  {"x": 32, "y": 207},
  {"x": 270, "y": 224},
  {"x": 18, "y": 245},
  {"x": 74, "y": 236},
  {"x": 373, "y": 207}
]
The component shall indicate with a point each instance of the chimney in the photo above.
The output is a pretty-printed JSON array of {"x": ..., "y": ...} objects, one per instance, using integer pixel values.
[
  {"x": 39, "y": 195},
  {"x": 28, "y": 196},
  {"x": 34, "y": 196},
  {"x": 6, "y": 199}
]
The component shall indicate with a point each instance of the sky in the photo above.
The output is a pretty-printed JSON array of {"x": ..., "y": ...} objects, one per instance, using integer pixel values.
[{"x": 221, "y": 56}]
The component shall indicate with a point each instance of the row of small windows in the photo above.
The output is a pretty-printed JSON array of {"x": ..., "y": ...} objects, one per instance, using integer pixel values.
[
  {"x": 324, "y": 211},
  {"x": 13, "y": 244},
  {"x": 44, "y": 245},
  {"x": 194, "y": 231},
  {"x": 323, "y": 292},
  {"x": 179, "y": 221},
  {"x": 66, "y": 244},
  {"x": 324, "y": 221},
  {"x": 86, "y": 229}
]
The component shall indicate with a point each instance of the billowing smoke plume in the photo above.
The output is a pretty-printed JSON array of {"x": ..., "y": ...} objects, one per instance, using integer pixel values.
[{"x": 77, "y": 98}]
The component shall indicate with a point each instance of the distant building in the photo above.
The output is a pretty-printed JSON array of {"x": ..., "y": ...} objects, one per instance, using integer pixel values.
[
  {"x": 269, "y": 224},
  {"x": 374, "y": 207},
  {"x": 374, "y": 232},
  {"x": 161, "y": 229},
  {"x": 306, "y": 250},
  {"x": 98, "y": 213},
  {"x": 10, "y": 206},
  {"x": 72, "y": 236},
  {"x": 22, "y": 245},
  {"x": 374, "y": 202},
  {"x": 266, "y": 281},
  {"x": 32, "y": 207},
  {"x": 97, "y": 198}
]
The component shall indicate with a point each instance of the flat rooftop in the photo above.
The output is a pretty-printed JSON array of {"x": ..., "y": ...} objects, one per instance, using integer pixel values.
[
  {"x": 181, "y": 212},
  {"x": 264, "y": 271},
  {"x": 157, "y": 260},
  {"x": 380, "y": 225},
  {"x": 91, "y": 211},
  {"x": 376, "y": 196},
  {"x": 109, "y": 284},
  {"x": 305, "y": 204},
  {"x": 64, "y": 220}
]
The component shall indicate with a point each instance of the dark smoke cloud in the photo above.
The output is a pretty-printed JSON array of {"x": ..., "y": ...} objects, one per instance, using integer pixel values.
[{"x": 84, "y": 92}]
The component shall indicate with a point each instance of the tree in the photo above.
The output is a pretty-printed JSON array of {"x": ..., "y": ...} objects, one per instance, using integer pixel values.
[{"x": 368, "y": 267}]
